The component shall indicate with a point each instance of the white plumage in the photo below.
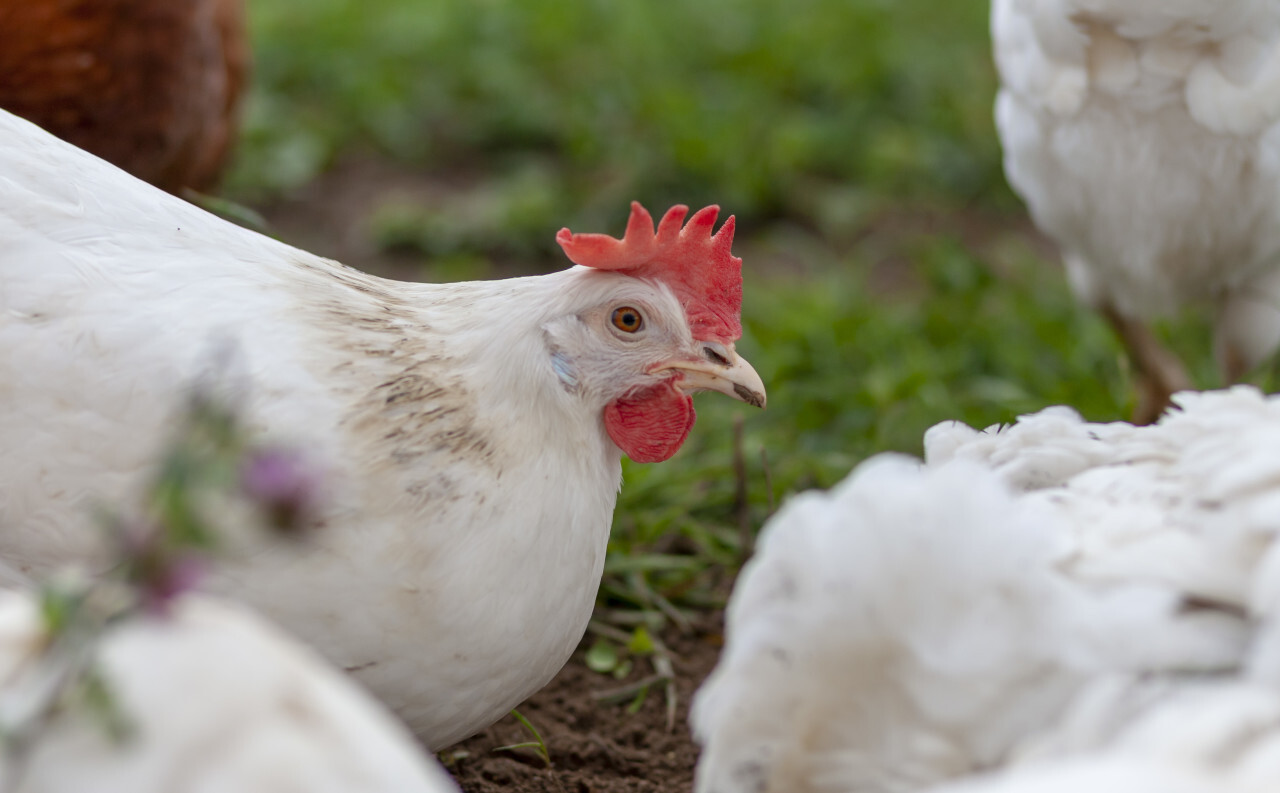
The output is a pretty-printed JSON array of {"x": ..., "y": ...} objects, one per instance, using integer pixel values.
[
  {"x": 1145, "y": 138},
  {"x": 1097, "y": 597},
  {"x": 469, "y": 433},
  {"x": 1163, "y": 736},
  {"x": 216, "y": 701}
]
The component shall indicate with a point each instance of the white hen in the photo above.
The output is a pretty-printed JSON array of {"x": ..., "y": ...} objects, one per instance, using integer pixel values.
[
  {"x": 471, "y": 433},
  {"x": 1029, "y": 593},
  {"x": 214, "y": 700},
  {"x": 1144, "y": 136}
]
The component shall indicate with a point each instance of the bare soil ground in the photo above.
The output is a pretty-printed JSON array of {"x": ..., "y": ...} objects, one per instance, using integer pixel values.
[{"x": 595, "y": 747}]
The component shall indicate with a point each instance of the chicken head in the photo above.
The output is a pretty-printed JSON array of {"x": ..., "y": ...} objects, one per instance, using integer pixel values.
[{"x": 661, "y": 314}]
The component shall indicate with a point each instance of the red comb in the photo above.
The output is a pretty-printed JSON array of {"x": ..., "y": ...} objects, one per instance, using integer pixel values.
[{"x": 697, "y": 265}]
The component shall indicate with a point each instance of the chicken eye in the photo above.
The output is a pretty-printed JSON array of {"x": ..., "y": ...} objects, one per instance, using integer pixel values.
[{"x": 627, "y": 319}]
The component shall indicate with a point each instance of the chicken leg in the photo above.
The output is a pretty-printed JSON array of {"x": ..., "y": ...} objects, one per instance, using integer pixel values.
[{"x": 1159, "y": 373}]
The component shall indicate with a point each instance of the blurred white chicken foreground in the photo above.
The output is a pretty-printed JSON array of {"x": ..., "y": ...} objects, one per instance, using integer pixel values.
[
  {"x": 1144, "y": 137},
  {"x": 208, "y": 699},
  {"x": 1036, "y": 593},
  {"x": 470, "y": 433}
]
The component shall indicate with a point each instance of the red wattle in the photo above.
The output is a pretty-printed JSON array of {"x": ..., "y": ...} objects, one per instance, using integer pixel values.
[{"x": 650, "y": 425}]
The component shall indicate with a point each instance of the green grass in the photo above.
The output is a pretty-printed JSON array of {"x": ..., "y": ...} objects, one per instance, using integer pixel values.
[{"x": 771, "y": 108}]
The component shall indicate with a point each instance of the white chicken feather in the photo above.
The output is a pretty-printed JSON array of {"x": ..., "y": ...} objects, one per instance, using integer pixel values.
[
  {"x": 1145, "y": 138},
  {"x": 1030, "y": 595},
  {"x": 470, "y": 433},
  {"x": 824, "y": 602},
  {"x": 215, "y": 701},
  {"x": 1136, "y": 735}
]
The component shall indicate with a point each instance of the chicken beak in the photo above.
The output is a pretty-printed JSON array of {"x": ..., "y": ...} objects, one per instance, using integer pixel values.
[{"x": 736, "y": 378}]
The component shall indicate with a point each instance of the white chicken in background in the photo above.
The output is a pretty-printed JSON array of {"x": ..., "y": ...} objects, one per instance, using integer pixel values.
[
  {"x": 1144, "y": 136},
  {"x": 1030, "y": 594},
  {"x": 209, "y": 699},
  {"x": 470, "y": 434}
]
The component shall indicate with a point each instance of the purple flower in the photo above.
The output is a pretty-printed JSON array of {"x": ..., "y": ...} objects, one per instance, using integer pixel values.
[
  {"x": 158, "y": 570},
  {"x": 178, "y": 574},
  {"x": 280, "y": 481}
]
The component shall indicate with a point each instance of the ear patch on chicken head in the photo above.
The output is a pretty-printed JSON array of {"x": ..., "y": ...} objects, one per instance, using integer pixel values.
[{"x": 697, "y": 265}]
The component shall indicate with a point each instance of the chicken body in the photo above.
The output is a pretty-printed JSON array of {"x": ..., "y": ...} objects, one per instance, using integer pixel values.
[
  {"x": 1145, "y": 139},
  {"x": 466, "y": 432},
  {"x": 214, "y": 699},
  {"x": 150, "y": 85},
  {"x": 1097, "y": 598}
]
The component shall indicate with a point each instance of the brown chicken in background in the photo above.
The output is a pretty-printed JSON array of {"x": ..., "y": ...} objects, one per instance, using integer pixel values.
[{"x": 150, "y": 85}]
